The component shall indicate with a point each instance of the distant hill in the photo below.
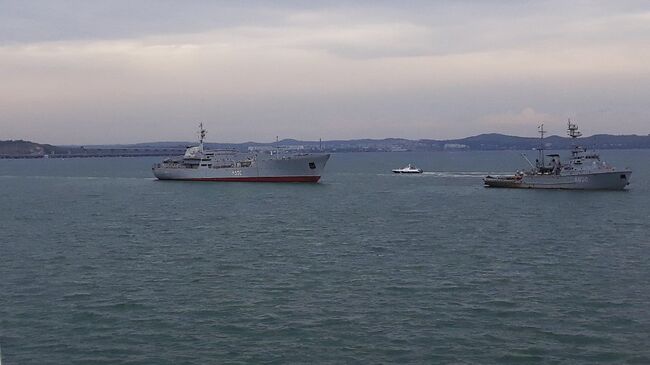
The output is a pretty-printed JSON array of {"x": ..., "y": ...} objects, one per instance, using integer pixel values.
[
  {"x": 27, "y": 148},
  {"x": 495, "y": 141},
  {"x": 489, "y": 141}
]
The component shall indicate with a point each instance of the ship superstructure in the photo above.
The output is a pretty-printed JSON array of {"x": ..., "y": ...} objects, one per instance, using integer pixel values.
[
  {"x": 584, "y": 170},
  {"x": 201, "y": 164},
  {"x": 409, "y": 169}
]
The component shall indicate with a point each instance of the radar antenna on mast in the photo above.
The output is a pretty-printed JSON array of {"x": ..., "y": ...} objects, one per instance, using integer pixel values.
[
  {"x": 572, "y": 130},
  {"x": 542, "y": 132},
  {"x": 202, "y": 133}
]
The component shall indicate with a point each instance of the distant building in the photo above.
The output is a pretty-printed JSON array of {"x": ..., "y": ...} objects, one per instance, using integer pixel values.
[
  {"x": 455, "y": 146},
  {"x": 261, "y": 148},
  {"x": 292, "y": 147},
  {"x": 273, "y": 148}
]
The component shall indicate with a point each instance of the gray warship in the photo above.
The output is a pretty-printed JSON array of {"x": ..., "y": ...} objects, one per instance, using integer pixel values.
[
  {"x": 583, "y": 171},
  {"x": 201, "y": 164}
]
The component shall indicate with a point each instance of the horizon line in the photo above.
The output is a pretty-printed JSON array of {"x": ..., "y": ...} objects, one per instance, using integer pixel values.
[{"x": 319, "y": 140}]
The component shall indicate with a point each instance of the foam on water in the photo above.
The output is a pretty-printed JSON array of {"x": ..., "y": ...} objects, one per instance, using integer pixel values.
[{"x": 452, "y": 174}]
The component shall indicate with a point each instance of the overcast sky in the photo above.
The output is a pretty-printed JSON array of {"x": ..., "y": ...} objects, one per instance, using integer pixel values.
[{"x": 90, "y": 72}]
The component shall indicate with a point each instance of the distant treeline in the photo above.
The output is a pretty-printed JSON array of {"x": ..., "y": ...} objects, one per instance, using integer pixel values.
[
  {"x": 496, "y": 141},
  {"x": 491, "y": 141},
  {"x": 26, "y": 149},
  {"x": 20, "y": 147}
]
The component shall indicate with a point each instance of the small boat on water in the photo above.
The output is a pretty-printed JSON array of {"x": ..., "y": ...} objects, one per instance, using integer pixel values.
[
  {"x": 409, "y": 169},
  {"x": 584, "y": 171}
]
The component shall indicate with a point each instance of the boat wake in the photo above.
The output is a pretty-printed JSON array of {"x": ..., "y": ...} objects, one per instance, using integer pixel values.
[
  {"x": 56, "y": 177},
  {"x": 463, "y": 174}
]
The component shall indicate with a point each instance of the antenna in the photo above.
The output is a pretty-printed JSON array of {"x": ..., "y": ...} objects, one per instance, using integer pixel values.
[
  {"x": 202, "y": 133},
  {"x": 541, "y": 131},
  {"x": 572, "y": 130}
]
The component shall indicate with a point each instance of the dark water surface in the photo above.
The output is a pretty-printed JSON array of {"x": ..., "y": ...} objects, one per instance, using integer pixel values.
[{"x": 101, "y": 264}]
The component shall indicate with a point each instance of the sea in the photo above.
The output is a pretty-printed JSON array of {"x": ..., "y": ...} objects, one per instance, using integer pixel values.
[{"x": 102, "y": 264}]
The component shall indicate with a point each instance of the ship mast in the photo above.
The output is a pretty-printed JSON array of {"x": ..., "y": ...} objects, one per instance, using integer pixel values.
[
  {"x": 202, "y": 132},
  {"x": 572, "y": 131},
  {"x": 541, "y": 131}
]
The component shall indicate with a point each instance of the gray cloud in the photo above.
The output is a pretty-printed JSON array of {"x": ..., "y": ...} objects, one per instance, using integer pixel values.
[{"x": 95, "y": 72}]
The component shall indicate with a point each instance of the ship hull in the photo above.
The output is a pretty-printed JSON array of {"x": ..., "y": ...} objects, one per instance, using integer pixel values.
[
  {"x": 279, "y": 179},
  {"x": 611, "y": 180},
  {"x": 304, "y": 168}
]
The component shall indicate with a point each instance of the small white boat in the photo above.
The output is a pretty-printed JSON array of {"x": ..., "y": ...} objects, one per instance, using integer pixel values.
[{"x": 409, "y": 169}]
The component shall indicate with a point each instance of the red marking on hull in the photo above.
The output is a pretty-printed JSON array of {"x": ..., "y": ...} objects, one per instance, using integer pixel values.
[{"x": 280, "y": 179}]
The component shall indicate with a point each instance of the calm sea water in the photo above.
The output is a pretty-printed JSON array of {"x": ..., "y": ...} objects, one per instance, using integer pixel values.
[{"x": 101, "y": 264}]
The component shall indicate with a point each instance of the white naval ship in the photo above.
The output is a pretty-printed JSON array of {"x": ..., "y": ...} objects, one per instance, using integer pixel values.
[
  {"x": 584, "y": 171},
  {"x": 201, "y": 164}
]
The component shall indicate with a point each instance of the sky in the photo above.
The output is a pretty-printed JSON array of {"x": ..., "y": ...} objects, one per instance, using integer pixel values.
[{"x": 99, "y": 72}]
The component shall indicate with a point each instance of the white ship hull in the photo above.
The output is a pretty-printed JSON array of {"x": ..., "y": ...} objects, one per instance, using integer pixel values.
[
  {"x": 409, "y": 169},
  {"x": 296, "y": 168}
]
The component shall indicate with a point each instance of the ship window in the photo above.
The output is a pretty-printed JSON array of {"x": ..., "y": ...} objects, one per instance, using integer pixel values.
[
  {"x": 312, "y": 165},
  {"x": 622, "y": 176}
]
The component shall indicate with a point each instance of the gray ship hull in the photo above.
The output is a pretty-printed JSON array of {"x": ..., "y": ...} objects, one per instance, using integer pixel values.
[
  {"x": 298, "y": 168},
  {"x": 610, "y": 180}
]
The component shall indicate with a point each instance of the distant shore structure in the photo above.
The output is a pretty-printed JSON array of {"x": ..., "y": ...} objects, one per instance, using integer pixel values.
[{"x": 483, "y": 142}]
